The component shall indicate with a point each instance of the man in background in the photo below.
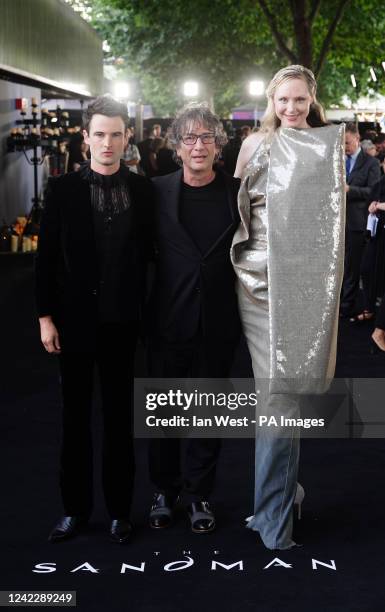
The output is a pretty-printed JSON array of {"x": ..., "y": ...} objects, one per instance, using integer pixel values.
[{"x": 362, "y": 172}]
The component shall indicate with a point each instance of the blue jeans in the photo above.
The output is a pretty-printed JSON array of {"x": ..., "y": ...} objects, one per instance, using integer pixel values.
[{"x": 276, "y": 447}]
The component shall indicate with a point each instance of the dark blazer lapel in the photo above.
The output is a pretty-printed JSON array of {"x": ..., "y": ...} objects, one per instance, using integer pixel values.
[
  {"x": 232, "y": 203},
  {"x": 173, "y": 194}
]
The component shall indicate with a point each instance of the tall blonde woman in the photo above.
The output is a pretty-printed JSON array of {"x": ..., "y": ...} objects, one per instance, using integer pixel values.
[{"x": 288, "y": 257}]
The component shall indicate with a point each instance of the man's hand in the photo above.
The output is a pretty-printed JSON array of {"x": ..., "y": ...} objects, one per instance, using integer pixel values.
[
  {"x": 347, "y": 188},
  {"x": 380, "y": 206},
  {"x": 372, "y": 207},
  {"x": 49, "y": 336}
]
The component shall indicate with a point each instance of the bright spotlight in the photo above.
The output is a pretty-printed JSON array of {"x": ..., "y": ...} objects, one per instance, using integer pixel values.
[
  {"x": 256, "y": 88},
  {"x": 121, "y": 90},
  {"x": 190, "y": 89}
]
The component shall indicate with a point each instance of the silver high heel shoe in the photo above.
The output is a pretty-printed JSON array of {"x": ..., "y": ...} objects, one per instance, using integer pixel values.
[{"x": 299, "y": 497}]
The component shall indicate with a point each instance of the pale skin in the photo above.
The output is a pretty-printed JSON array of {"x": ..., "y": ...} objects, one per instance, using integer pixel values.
[
  {"x": 374, "y": 206},
  {"x": 352, "y": 144},
  {"x": 107, "y": 138},
  {"x": 291, "y": 101},
  {"x": 247, "y": 149},
  {"x": 197, "y": 159},
  {"x": 378, "y": 337}
]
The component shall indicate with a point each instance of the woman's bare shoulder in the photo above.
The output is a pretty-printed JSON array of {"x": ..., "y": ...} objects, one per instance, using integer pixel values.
[{"x": 247, "y": 149}]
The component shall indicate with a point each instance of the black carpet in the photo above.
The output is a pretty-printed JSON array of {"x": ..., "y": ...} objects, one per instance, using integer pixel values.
[{"x": 343, "y": 522}]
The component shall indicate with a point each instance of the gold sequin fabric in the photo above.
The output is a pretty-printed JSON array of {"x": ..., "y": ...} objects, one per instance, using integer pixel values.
[
  {"x": 303, "y": 177},
  {"x": 249, "y": 248}
]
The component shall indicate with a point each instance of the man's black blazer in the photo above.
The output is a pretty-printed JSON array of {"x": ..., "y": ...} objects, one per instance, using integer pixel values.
[
  {"x": 366, "y": 172},
  {"x": 67, "y": 276},
  {"x": 191, "y": 290}
]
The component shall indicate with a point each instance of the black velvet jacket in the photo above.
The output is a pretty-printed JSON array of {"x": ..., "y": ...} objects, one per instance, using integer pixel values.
[
  {"x": 192, "y": 290},
  {"x": 67, "y": 275}
]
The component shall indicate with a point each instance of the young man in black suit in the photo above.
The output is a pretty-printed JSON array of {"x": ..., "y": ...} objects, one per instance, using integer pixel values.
[
  {"x": 194, "y": 323},
  {"x": 94, "y": 242}
]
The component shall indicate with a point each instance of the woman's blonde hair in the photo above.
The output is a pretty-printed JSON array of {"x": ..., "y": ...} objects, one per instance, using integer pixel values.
[{"x": 316, "y": 116}]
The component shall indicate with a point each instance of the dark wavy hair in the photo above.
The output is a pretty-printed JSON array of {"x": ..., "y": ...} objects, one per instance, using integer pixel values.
[
  {"x": 352, "y": 128},
  {"x": 105, "y": 105}
]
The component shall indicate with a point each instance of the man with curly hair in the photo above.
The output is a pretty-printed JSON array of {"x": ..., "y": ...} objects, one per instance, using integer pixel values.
[{"x": 194, "y": 317}]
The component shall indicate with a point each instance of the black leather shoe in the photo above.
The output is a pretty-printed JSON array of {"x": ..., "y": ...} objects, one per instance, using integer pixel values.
[
  {"x": 66, "y": 528},
  {"x": 121, "y": 531},
  {"x": 161, "y": 513},
  {"x": 201, "y": 517}
]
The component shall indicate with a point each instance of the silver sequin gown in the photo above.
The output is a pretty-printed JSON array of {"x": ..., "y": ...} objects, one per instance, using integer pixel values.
[
  {"x": 288, "y": 257},
  {"x": 276, "y": 457}
]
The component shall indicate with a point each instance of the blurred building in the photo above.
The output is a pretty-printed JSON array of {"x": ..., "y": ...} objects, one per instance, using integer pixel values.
[{"x": 47, "y": 52}]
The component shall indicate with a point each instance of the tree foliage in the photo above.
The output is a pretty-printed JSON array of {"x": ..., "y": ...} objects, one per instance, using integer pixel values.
[{"x": 223, "y": 44}]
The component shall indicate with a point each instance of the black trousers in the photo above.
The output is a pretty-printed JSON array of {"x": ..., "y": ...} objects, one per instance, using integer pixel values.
[
  {"x": 194, "y": 478},
  {"x": 354, "y": 247},
  {"x": 113, "y": 354},
  {"x": 368, "y": 271}
]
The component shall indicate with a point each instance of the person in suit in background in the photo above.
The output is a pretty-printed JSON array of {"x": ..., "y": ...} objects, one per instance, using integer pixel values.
[
  {"x": 144, "y": 147},
  {"x": 362, "y": 172},
  {"x": 380, "y": 147},
  {"x": 194, "y": 322},
  {"x": 131, "y": 155},
  {"x": 90, "y": 278},
  {"x": 165, "y": 159},
  {"x": 373, "y": 260},
  {"x": 373, "y": 265}
]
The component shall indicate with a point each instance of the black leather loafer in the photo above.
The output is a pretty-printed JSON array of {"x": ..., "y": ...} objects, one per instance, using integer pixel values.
[
  {"x": 201, "y": 517},
  {"x": 66, "y": 528},
  {"x": 161, "y": 513},
  {"x": 121, "y": 531}
]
